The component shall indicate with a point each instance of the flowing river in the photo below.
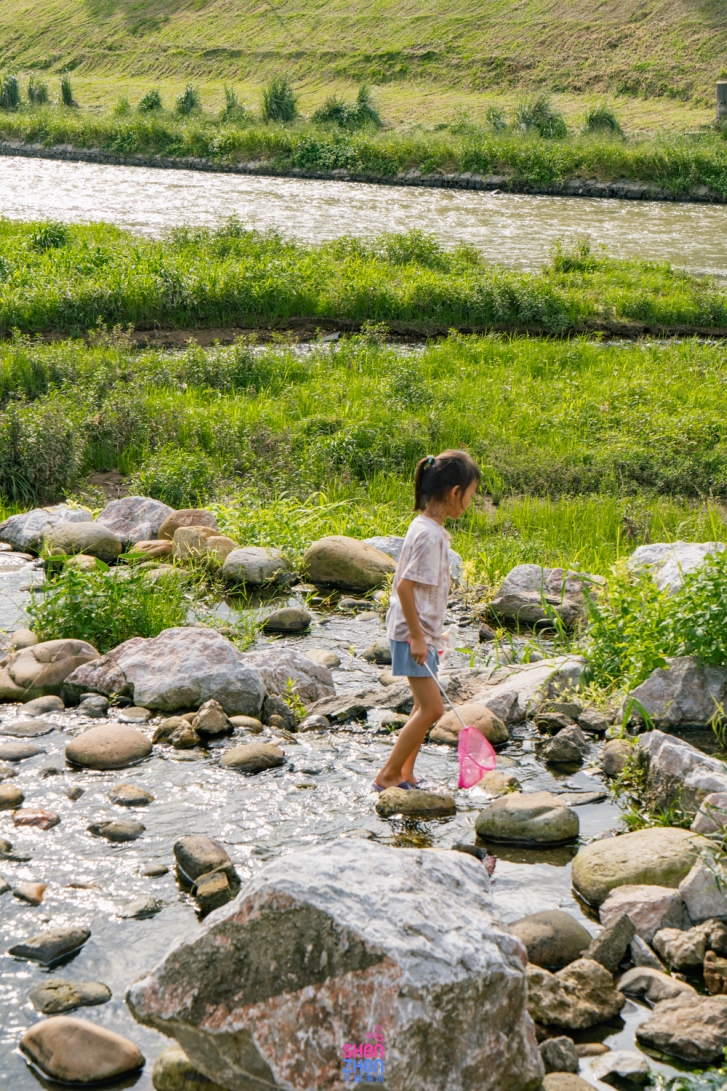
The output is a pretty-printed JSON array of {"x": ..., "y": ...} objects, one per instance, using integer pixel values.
[{"x": 509, "y": 229}]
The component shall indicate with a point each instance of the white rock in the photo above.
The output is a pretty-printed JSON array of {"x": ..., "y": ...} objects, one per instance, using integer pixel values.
[
  {"x": 27, "y": 531},
  {"x": 677, "y": 770},
  {"x": 312, "y": 680},
  {"x": 180, "y": 668},
  {"x": 670, "y": 561},
  {"x": 651, "y": 908},
  {"x": 701, "y": 892},
  {"x": 134, "y": 518},
  {"x": 418, "y": 948},
  {"x": 519, "y": 690},
  {"x": 392, "y": 545}
]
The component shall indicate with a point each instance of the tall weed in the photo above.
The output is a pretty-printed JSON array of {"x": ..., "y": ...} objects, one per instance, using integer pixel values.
[{"x": 279, "y": 101}]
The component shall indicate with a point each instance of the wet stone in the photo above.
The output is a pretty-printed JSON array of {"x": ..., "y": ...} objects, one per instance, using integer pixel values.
[
  {"x": 75, "y": 792},
  {"x": 10, "y": 797},
  {"x": 314, "y": 723},
  {"x": 129, "y": 795},
  {"x": 174, "y": 1072},
  {"x": 117, "y": 830},
  {"x": 413, "y": 801},
  {"x": 324, "y": 656},
  {"x": 48, "y": 947},
  {"x": 198, "y": 855},
  {"x": 7, "y": 772},
  {"x": 212, "y": 890},
  {"x": 19, "y": 751},
  {"x": 289, "y": 619},
  {"x": 32, "y": 893},
  {"x": 134, "y": 715},
  {"x": 42, "y": 820},
  {"x": 211, "y": 720},
  {"x": 622, "y": 1065},
  {"x": 50, "y": 771},
  {"x": 184, "y": 737},
  {"x": 610, "y": 947},
  {"x": 253, "y": 757},
  {"x": 28, "y": 729},
  {"x": 559, "y": 1054},
  {"x": 74, "y": 1051},
  {"x": 93, "y": 705},
  {"x": 165, "y": 730},
  {"x": 552, "y": 938},
  {"x": 155, "y": 871},
  {"x": 140, "y": 908},
  {"x": 247, "y": 723},
  {"x": 4, "y": 886},
  {"x": 40, "y": 705},
  {"x": 58, "y": 995},
  {"x": 108, "y": 747}
]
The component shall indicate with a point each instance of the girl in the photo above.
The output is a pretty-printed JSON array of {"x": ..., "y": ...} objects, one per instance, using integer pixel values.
[{"x": 443, "y": 489}]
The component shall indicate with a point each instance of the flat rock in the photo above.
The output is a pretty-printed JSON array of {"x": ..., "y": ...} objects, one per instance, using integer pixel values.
[
  {"x": 117, "y": 830},
  {"x": 532, "y": 818},
  {"x": 288, "y": 619},
  {"x": 660, "y": 855},
  {"x": 652, "y": 985},
  {"x": 27, "y": 531},
  {"x": 134, "y": 519},
  {"x": 255, "y": 567},
  {"x": 179, "y": 669},
  {"x": 197, "y": 855},
  {"x": 108, "y": 747},
  {"x": 28, "y": 729},
  {"x": 40, "y": 705},
  {"x": 531, "y": 593},
  {"x": 19, "y": 751},
  {"x": 517, "y": 691},
  {"x": 325, "y": 656},
  {"x": 36, "y": 816},
  {"x": 155, "y": 871},
  {"x": 650, "y": 908},
  {"x": 593, "y": 721},
  {"x": 621, "y": 1064},
  {"x": 476, "y": 715},
  {"x": 312, "y": 680},
  {"x": 689, "y": 1026},
  {"x": 91, "y": 539},
  {"x": 581, "y": 799},
  {"x": 94, "y": 705},
  {"x": 568, "y": 747},
  {"x": 580, "y": 995},
  {"x": 552, "y": 938},
  {"x": 10, "y": 797},
  {"x": 253, "y": 757},
  {"x": 642, "y": 954},
  {"x": 669, "y": 562},
  {"x": 133, "y": 714},
  {"x": 314, "y": 901},
  {"x": 74, "y": 1051},
  {"x": 174, "y": 1072},
  {"x": 186, "y": 517},
  {"x": 56, "y": 995},
  {"x": 130, "y": 795},
  {"x": 48, "y": 947},
  {"x": 346, "y": 562},
  {"x": 414, "y": 801}
]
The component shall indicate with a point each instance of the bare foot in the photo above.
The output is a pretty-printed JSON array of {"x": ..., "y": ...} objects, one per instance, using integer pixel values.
[{"x": 387, "y": 782}]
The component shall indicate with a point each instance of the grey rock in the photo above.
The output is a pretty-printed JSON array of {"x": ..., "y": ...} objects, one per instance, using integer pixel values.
[
  {"x": 534, "y": 818},
  {"x": 621, "y": 1065},
  {"x": 117, "y": 830},
  {"x": 28, "y": 729},
  {"x": 313, "y": 901},
  {"x": 108, "y": 747},
  {"x": 155, "y": 871},
  {"x": 276, "y": 706},
  {"x": 559, "y": 1054},
  {"x": 552, "y": 938},
  {"x": 652, "y": 985},
  {"x": 48, "y": 947},
  {"x": 520, "y": 689},
  {"x": 581, "y": 799},
  {"x": 325, "y": 656},
  {"x": 19, "y": 751},
  {"x": 253, "y": 757},
  {"x": 704, "y": 891},
  {"x": 346, "y": 562},
  {"x": 40, "y": 705},
  {"x": 650, "y": 908},
  {"x": 311, "y": 679},
  {"x": 683, "y": 692},
  {"x": 689, "y": 1026},
  {"x": 530, "y": 593},
  {"x": 378, "y": 652},
  {"x": 681, "y": 951},
  {"x": 88, "y": 538},
  {"x": 593, "y": 721},
  {"x": 255, "y": 567},
  {"x": 93, "y": 705},
  {"x": 580, "y": 995},
  {"x": 26, "y": 531},
  {"x": 551, "y": 723},
  {"x": 140, "y": 908},
  {"x": 642, "y": 955},
  {"x": 211, "y": 720},
  {"x": 392, "y": 545},
  {"x": 130, "y": 795},
  {"x": 615, "y": 755},
  {"x": 288, "y": 619},
  {"x": 712, "y": 814},
  {"x": 677, "y": 770},
  {"x": 134, "y": 518},
  {"x": 197, "y": 855},
  {"x": 314, "y": 723},
  {"x": 57, "y": 995},
  {"x": 180, "y": 668},
  {"x": 610, "y": 947},
  {"x": 568, "y": 747},
  {"x": 134, "y": 714},
  {"x": 670, "y": 561},
  {"x": 414, "y": 802},
  {"x": 658, "y": 855}
]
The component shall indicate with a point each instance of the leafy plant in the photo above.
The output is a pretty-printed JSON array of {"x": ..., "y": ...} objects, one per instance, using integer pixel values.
[
  {"x": 37, "y": 91},
  {"x": 540, "y": 115},
  {"x": 233, "y": 109},
  {"x": 10, "y": 93},
  {"x": 576, "y": 258},
  {"x": 50, "y": 236},
  {"x": 279, "y": 101},
  {"x": 67, "y": 98},
  {"x": 151, "y": 102},
  {"x": 350, "y": 116},
  {"x": 189, "y": 101},
  {"x": 108, "y": 606},
  {"x": 182, "y": 479},
  {"x": 602, "y": 119}
]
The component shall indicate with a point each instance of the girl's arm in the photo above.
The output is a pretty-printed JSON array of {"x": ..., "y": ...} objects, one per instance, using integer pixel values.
[{"x": 405, "y": 593}]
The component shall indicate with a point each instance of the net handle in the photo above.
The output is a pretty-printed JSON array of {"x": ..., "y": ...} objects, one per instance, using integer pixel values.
[{"x": 442, "y": 691}]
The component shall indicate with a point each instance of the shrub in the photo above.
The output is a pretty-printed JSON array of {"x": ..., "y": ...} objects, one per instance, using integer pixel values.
[
  {"x": 50, "y": 236},
  {"x": 540, "y": 116},
  {"x": 602, "y": 119},
  {"x": 41, "y": 452},
  {"x": 37, "y": 91},
  {"x": 182, "y": 479},
  {"x": 189, "y": 101},
  {"x": 67, "y": 98},
  {"x": 108, "y": 606},
  {"x": 10, "y": 93},
  {"x": 279, "y": 101},
  {"x": 122, "y": 107},
  {"x": 150, "y": 102},
  {"x": 233, "y": 109},
  {"x": 349, "y": 116}
]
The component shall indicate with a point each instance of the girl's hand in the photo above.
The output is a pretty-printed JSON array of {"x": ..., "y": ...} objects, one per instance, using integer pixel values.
[{"x": 419, "y": 651}]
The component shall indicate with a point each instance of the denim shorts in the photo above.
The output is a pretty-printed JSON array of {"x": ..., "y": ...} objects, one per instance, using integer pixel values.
[{"x": 404, "y": 665}]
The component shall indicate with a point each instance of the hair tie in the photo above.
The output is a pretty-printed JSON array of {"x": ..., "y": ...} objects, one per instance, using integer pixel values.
[{"x": 429, "y": 462}]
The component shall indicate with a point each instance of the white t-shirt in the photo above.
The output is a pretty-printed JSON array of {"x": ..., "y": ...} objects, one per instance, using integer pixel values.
[{"x": 425, "y": 561}]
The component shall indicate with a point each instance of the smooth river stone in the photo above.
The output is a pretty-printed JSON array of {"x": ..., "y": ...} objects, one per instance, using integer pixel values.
[
  {"x": 40, "y": 705},
  {"x": 19, "y": 751},
  {"x": 253, "y": 757},
  {"x": 49, "y": 947},
  {"x": 414, "y": 801},
  {"x": 528, "y": 818},
  {"x": 134, "y": 714},
  {"x": 58, "y": 995},
  {"x": 74, "y": 1051},
  {"x": 10, "y": 797},
  {"x": 118, "y": 831},
  {"x": 108, "y": 747},
  {"x": 42, "y": 820},
  {"x": 32, "y": 893},
  {"x": 197, "y": 855},
  {"x": 129, "y": 795},
  {"x": 552, "y": 938},
  {"x": 28, "y": 729}
]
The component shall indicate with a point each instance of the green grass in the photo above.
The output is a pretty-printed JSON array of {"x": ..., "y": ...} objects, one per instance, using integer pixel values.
[
  {"x": 70, "y": 279},
  {"x": 587, "y": 449},
  {"x": 675, "y": 163}
]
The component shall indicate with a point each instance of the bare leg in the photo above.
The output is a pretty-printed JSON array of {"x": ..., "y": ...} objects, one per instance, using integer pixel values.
[{"x": 428, "y": 708}]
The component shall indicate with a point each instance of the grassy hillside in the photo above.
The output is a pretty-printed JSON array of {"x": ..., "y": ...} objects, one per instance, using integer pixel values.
[{"x": 666, "y": 48}]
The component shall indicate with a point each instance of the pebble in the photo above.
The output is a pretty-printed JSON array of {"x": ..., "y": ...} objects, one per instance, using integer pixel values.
[
  {"x": 155, "y": 871},
  {"x": 50, "y": 771},
  {"x": 28, "y": 729},
  {"x": 140, "y": 908},
  {"x": 129, "y": 795},
  {"x": 58, "y": 995},
  {"x": 48, "y": 947},
  {"x": 40, "y": 705},
  {"x": 93, "y": 705},
  {"x": 7, "y": 772},
  {"x": 32, "y": 893},
  {"x": 117, "y": 830},
  {"x": 19, "y": 751},
  {"x": 253, "y": 757},
  {"x": 10, "y": 797},
  {"x": 108, "y": 747},
  {"x": 134, "y": 715},
  {"x": 184, "y": 737},
  {"x": 75, "y": 793},
  {"x": 42, "y": 820},
  {"x": 73, "y": 1051},
  {"x": 247, "y": 723}
]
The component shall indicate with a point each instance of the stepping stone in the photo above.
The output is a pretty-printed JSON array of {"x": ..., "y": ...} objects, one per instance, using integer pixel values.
[
  {"x": 254, "y": 757},
  {"x": 128, "y": 795},
  {"x": 42, "y": 820},
  {"x": 134, "y": 715},
  {"x": 58, "y": 995},
  {"x": 155, "y": 871},
  {"x": 40, "y": 705},
  {"x": 117, "y": 831},
  {"x": 28, "y": 729},
  {"x": 49, "y": 947},
  {"x": 414, "y": 802},
  {"x": 528, "y": 818},
  {"x": 108, "y": 747},
  {"x": 19, "y": 751},
  {"x": 581, "y": 799},
  {"x": 73, "y": 1051}
]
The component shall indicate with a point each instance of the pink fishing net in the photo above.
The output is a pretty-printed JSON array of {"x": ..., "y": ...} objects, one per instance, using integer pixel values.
[{"x": 476, "y": 757}]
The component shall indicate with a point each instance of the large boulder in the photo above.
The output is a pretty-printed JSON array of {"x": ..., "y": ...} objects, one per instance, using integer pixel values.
[
  {"x": 447, "y": 729},
  {"x": 42, "y": 669},
  {"x": 515, "y": 692},
  {"x": 669, "y": 562},
  {"x": 135, "y": 519},
  {"x": 688, "y": 1026},
  {"x": 578, "y": 996},
  {"x": 531, "y": 593},
  {"x": 552, "y": 938},
  {"x": 26, "y": 532},
  {"x": 684, "y": 692},
  {"x": 90, "y": 539},
  {"x": 659, "y": 856},
  {"x": 187, "y": 517},
  {"x": 440, "y": 979},
  {"x": 309, "y": 679},
  {"x": 532, "y": 818},
  {"x": 677, "y": 771},
  {"x": 346, "y": 562},
  {"x": 255, "y": 567},
  {"x": 180, "y": 668},
  {"x": 392, "y": 545}
]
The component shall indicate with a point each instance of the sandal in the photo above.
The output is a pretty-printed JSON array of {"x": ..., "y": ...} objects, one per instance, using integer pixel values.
[{"x": 378, "y": 788}]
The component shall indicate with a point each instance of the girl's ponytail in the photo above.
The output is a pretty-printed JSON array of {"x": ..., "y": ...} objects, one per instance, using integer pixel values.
[
  {"x": 436, "y": 477},
  {"x": 419, "y": 495}
]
